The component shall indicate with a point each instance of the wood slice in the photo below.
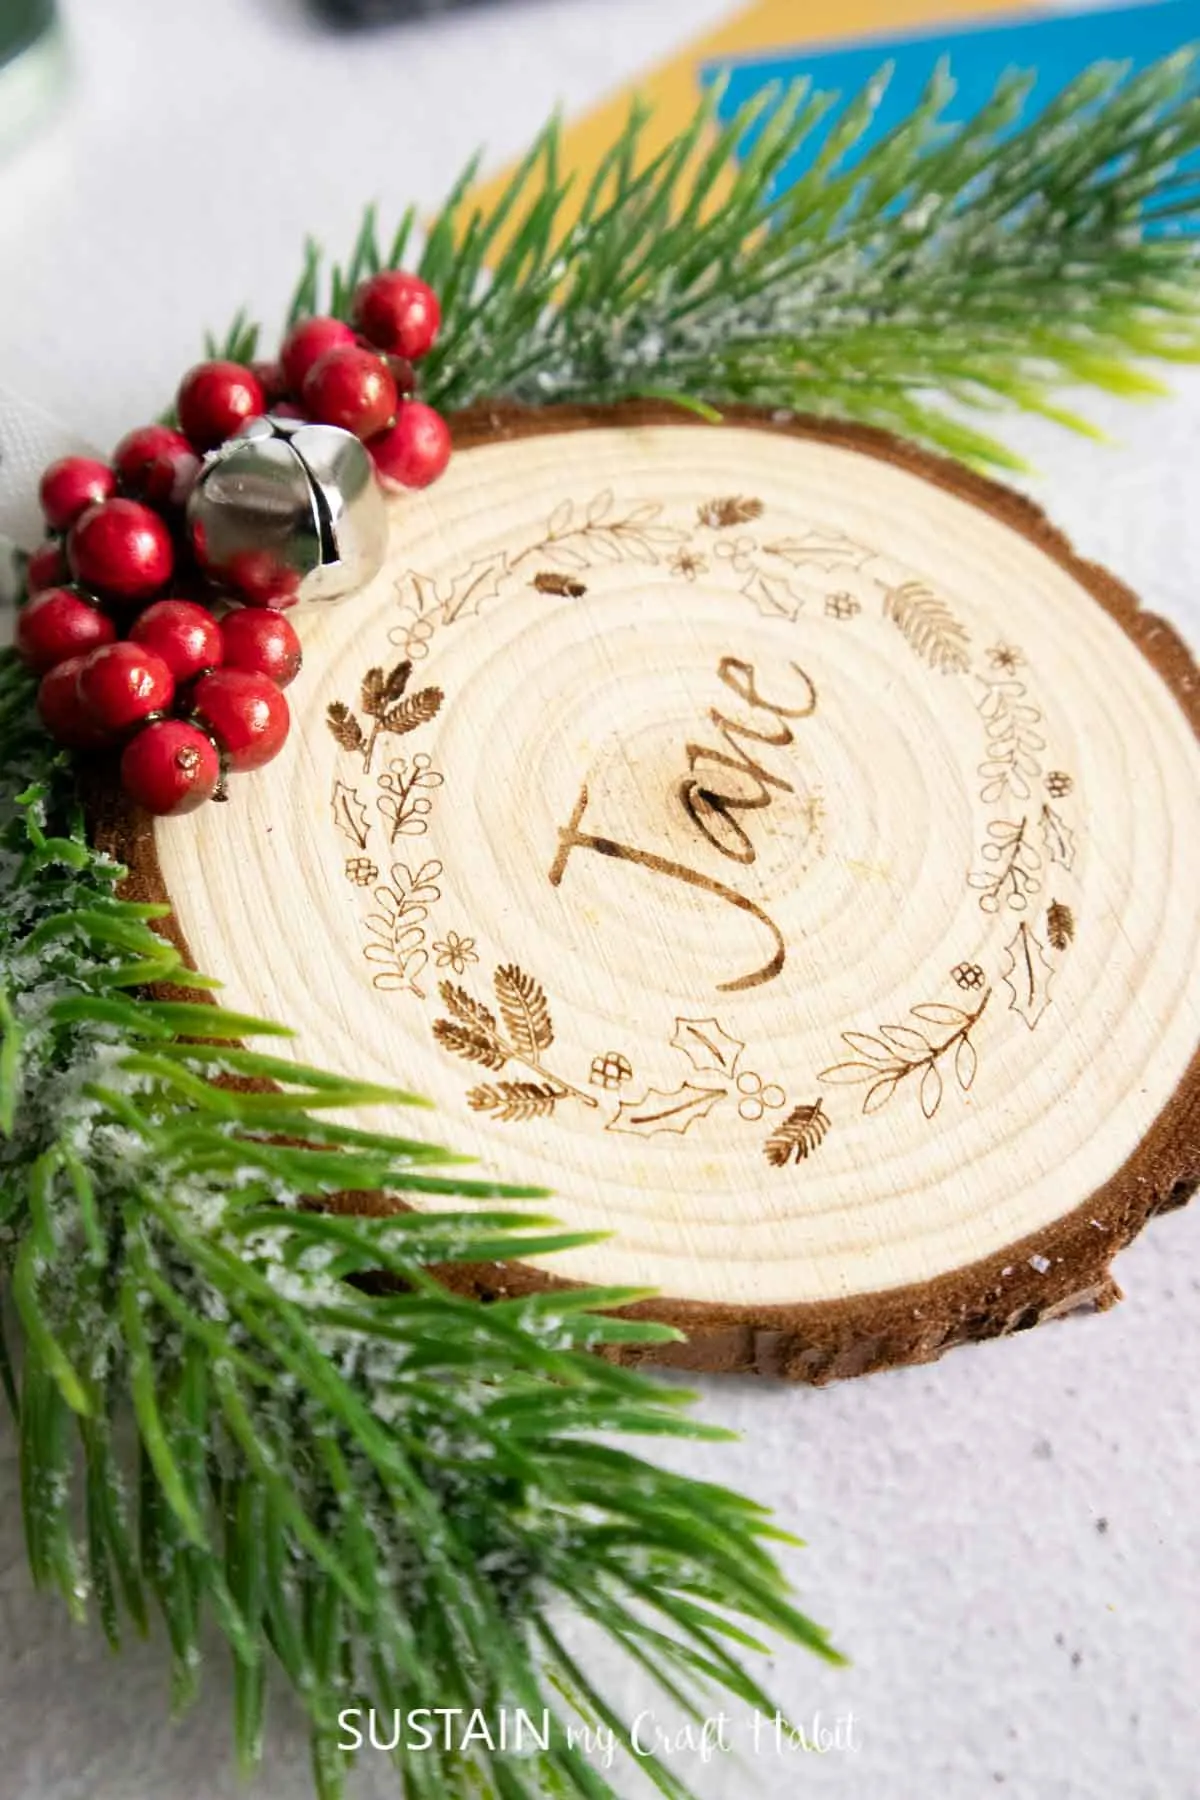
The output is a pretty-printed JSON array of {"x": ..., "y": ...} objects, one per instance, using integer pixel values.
[{"x": 771, "y": 839}]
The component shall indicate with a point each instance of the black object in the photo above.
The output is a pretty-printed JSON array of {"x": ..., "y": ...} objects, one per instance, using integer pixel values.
[{"x": 383, "y": 12}]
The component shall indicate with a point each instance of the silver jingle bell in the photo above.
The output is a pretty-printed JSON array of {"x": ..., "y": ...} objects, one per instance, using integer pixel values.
[{"x": 289, "y": 509}]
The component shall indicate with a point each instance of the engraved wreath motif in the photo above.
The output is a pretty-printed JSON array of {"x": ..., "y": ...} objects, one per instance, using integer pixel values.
[{"x": 1026, "y": 832}]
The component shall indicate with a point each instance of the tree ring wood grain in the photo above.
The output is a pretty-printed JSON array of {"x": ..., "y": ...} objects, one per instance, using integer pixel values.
[{"x": 771, "y": 837}]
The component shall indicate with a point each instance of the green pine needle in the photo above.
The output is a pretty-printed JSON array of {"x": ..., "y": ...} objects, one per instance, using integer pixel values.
[
  {"x": 394, "y": 1494},
  {"x": 988, "y": 262},
  {"x": 391, "y": 1495}
]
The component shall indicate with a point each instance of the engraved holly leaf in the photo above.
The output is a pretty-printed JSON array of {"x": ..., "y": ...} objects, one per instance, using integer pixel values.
[
  {"x": 1027, "y": 973},
  {"x": 1057, "y": 839},
  {"x": 821, "y": 547},
  {"x": 478, "y": 583},
  {"x": 350, "y": 814},
  {"x": 659, "y": 1111},
  {"x": 772, "y": 594},
  {"x": 708, "y": 1046},
  {"x": 524, "y": 1011}
]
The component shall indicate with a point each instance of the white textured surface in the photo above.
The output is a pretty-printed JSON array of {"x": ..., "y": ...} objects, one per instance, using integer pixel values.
[{"x": 1007, "y": 1543}]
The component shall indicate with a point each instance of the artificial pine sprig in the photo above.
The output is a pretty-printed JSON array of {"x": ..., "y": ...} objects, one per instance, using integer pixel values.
[
  {"x": 990, "y": 261},
  {"x": 393, "y": 1496}
]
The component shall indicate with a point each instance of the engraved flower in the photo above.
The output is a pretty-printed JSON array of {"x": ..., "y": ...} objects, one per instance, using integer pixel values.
[
  {"x": 361, "y": 871},
  {"x": 688, "y": 564},
  {"x": 1005, "y": 658},
  {"x": 455, "y": 952},
  {"x": 1059, "y": 784},
  {"x": 841, "y": 606},
  {"x": 968, "y": 975},
  {"x": 756, "y": 1096}
]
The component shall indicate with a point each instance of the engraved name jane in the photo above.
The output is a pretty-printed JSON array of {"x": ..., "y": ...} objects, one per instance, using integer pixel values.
[{"x": 723, "y": 786}]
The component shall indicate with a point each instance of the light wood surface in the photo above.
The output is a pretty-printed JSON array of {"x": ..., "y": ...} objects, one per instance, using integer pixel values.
[{"x": 770, "y": 841}]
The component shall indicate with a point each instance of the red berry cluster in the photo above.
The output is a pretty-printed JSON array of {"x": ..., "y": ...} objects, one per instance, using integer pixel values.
[{"x": 187, "y": 696}]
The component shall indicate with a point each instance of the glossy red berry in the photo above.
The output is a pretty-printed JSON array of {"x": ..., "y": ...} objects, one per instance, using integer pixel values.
[
  {"x": 63, "y": 712},
  {"x": 170, "y": 767},
  {"x": 399, "y": 313},
  {"x": 353, "y": 388},
  {"x": 121, "y": 548},
  {"x": 262, "y": 642},
  {"x": 185, "y": 635},
  {"x": 122, "y": 684},
  {"x": 307, "y": 343},
  {"x": 156, "y": 464},
  {"x": 271, "y": 379},
  {"x": 47, "y": 567},
  {"x": 58, "y": 623},
  {"x": 70, "y": 486},
  {"x": 246, "y": 713},
  {"x": 416, "y": 449},
  {"x": 215, "y": 400}
]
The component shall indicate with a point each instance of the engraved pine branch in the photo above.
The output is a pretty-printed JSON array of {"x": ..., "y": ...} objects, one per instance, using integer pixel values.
[
  {"x": 523, "y": 1033},
  {"x": 799, "y": 1136},
  {"x": 901, "y": 1052},
  {"x": 389, "y": 707}
]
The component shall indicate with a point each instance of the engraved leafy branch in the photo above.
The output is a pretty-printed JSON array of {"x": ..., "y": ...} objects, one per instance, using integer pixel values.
[
  {"x": 903, "y": 1051},
  {"x": 399, "y": 927},
  {"x": 523, "y": 1033},
  {"x": 578, "y": 540},
  {"x": 387, "y": 704},
  {"x": 1014, "y": 744}
]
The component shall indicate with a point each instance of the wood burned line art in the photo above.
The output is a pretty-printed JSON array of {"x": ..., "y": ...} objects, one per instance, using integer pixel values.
[
  {"x": 523, "y": 1034},
  {"x": 778, "y": 573},
  {"x": 388, "y": 707},
  {"x": 929, "y": 627},
  {"x": 1060, "y": 925},
  {"x": 1014, "y": 743},
  {"x": 799, "y": 1136},
  {"x": 900, "y": 1052},
  {"x": 1027, "y": 972},
  {"x": 405, "y": 799},
  {"x": 767, "y": 569},
  {"x": 399, "y": 928}
]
